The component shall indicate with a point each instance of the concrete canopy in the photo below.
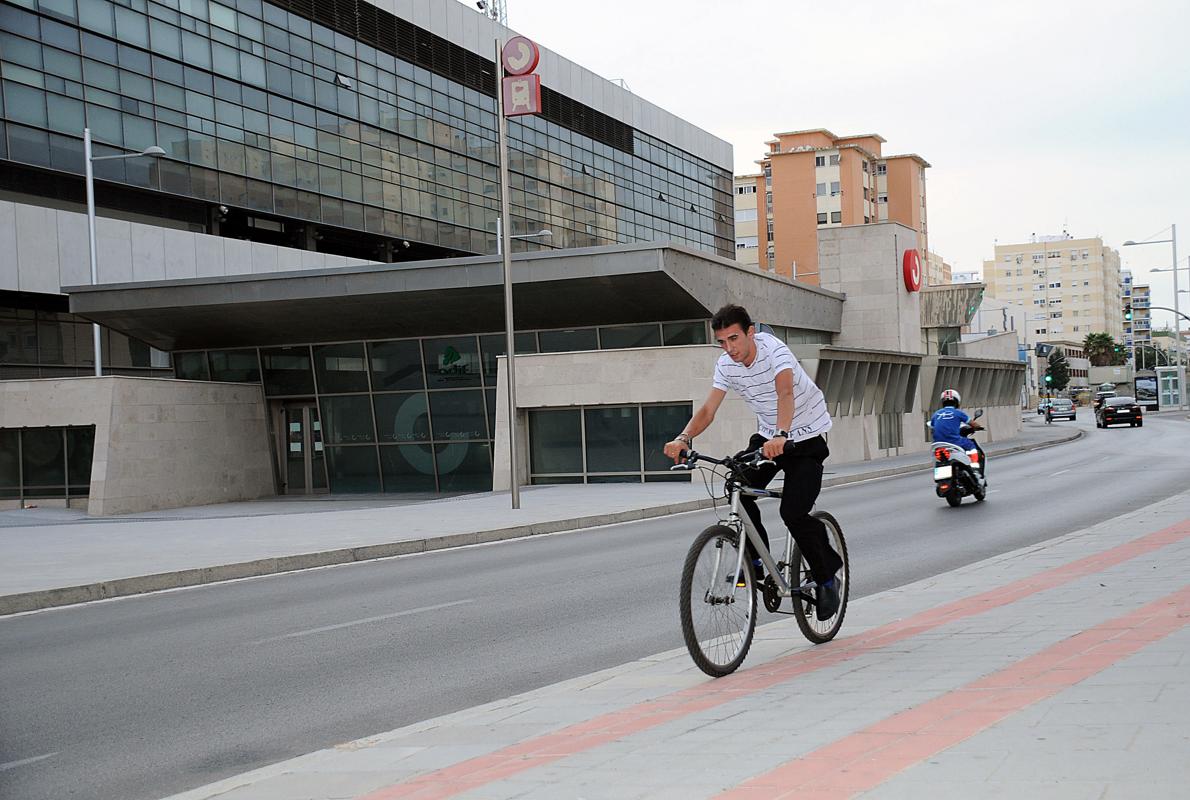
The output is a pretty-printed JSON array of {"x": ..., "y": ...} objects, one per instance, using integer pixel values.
[{"x": 561, "y": 289}]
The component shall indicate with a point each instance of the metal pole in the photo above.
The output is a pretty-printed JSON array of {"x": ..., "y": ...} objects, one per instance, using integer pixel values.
[
  {"x": 506, "y": 261},
  {"x": 91, "y": 243},
  {"x": 1177, "y": 319}
]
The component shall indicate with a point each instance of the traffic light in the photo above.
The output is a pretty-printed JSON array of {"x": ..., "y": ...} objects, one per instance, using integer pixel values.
[
  {"x": 1048, "y": 378},
  {"x": 1128, "y": 313}
]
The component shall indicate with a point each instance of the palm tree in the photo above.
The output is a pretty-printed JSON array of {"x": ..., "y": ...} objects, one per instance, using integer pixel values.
[{"x": 1101, "y": 350}]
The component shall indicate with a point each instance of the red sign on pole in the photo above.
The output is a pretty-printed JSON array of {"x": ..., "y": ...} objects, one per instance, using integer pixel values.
[
  {"x": 911, "y": 269},
  {"x": 522, "y": 95},
  {"x": 520, "y": 56}
]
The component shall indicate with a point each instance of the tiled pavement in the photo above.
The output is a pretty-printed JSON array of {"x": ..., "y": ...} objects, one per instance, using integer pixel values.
[{"x": 1059, "y": 670}]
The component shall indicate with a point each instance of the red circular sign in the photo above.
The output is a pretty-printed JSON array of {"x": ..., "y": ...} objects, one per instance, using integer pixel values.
[
  {"x": 520, "y": 56},
  {"x": 911, "y": 269}
]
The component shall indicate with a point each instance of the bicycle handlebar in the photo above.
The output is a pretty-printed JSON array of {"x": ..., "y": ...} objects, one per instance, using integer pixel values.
[{"x": 753, "y": 458}]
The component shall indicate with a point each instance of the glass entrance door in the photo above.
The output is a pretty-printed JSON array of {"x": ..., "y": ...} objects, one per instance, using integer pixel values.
[{"x": 300, "y": 453}]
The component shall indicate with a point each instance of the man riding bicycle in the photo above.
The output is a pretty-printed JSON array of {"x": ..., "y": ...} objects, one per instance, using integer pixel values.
[{"x": 791, "y": 417}]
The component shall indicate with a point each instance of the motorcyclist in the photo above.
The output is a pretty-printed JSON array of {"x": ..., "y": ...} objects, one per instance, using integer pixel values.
[{"x": 947, "y": 423}]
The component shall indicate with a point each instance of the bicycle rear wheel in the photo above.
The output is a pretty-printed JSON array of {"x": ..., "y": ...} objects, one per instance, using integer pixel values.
[
  {"x": 804, "y": 611},
  {"x": 718, "y": 617}
]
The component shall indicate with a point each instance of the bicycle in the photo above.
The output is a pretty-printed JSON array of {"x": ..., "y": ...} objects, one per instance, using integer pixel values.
[{"x": 719, "y": 637}]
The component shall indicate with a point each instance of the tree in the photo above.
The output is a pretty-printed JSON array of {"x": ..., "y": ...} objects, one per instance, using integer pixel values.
[
  {"x": 1058, "y": 370},
  {"x": 1102, "y": 350}
]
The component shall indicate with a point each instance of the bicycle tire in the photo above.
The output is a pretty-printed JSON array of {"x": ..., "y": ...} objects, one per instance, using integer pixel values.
[
  {"x": 722, "y": 653},
  {"x": 815, "y": 631}
]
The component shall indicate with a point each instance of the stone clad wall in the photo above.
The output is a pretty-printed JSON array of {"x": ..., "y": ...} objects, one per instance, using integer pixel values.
[{"x": 159, "y": 443}]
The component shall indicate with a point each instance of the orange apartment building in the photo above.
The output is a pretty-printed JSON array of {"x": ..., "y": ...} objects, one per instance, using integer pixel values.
[{"x": 813, "y": 179}]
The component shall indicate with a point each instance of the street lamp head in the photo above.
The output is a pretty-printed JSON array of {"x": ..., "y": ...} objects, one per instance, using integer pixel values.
[
  {"x": 1129, "y": 243},
  {"x": 544, "y": 232},
  {"x": 154, "y": 151}
]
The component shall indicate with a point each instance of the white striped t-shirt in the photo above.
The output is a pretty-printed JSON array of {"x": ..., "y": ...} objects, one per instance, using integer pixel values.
[{"x": 757, "y": 385}]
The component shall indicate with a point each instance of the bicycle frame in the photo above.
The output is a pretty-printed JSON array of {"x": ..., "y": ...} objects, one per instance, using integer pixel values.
[{"x": 737, "y": 519}]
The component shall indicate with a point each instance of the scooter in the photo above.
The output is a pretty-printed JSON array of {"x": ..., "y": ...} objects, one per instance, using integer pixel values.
[{"x": 958, "y": 473}]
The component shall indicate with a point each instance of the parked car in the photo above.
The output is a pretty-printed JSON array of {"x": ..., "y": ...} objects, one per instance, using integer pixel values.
[
  {"x": 1117, "y": 411},
  {"x": 1062, "y": 409},
  {"x": 1042, "y": 406},
  {"x": 1101, "y": 396}
]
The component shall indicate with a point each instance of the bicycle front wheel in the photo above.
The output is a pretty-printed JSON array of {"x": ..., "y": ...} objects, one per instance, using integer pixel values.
[
  {"x": 718, "y": 617},
  {"x": 820, "y": 631}
]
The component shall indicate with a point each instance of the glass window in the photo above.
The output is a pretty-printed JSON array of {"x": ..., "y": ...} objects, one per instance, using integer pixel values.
[
  {"x": 567, "y": 340},
  {"x": 352, "y": 469},
  {"x": 402, "y": 417},
  {"x": 822, "y": 218},
  {"x": 131, "y": 27},
  {"x": 836, "y": 216},
  {"x": 464, "y": 466},
  {"x": 622, "y": 336},
  {"x": 25, "y": 104},
  {"x": 80, "y": 447},
  {"x": 10, "y": 463},
  {"x": 341, "y": 368},
  {"x": 678, "y": 333},
  {"x": 237, "y": 366},
  {"x": 458, "y": 415},
  {"x": 452, "y": 362},
  {"x": 408, "y": 468},
  {"x": 347, "y": 419},
  {"x": 613, "y": 439},
  {"x": 491, "y": 347},
  {"x": 191, "y": 366},
  {"x": 555, "y": 441},
  {"x": 661, "y": 424},
  {"x": 396, "y": 365},
  {"x": 58, "y": 8},
  {"x": 287, "y": 370},
  {"x": 43, "y": 461}
]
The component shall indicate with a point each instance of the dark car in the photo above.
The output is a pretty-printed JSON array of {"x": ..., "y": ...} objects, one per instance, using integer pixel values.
[
  {"x": 1061, "y": 408},
  {"x": 1118, "y": 411},
  {"x": 1100, "y": 397}
]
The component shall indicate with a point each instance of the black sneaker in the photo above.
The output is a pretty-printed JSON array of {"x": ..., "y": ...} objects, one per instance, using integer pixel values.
[{"x": 827, "y": 604}]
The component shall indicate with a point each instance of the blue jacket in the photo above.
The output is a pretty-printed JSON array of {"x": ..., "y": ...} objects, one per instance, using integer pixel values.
[{"x": 946, "y": 423}]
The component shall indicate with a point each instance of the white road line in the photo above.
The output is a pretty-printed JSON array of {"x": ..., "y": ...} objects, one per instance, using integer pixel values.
[
  {"x": 24, "y": 761},
  {"x": 364, "y": 621},
  {"x": 1059, "y": 472}
]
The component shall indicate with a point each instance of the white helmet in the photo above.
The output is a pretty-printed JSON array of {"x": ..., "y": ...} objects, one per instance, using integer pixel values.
[{"x": 952, "y": 396}]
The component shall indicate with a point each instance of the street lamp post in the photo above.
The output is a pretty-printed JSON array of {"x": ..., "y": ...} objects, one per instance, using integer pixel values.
[
  {"x": 1177, "y": 316},
  {"x": 152, "y": 152}
]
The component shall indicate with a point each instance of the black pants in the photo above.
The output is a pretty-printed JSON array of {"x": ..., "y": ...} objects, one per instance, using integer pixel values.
[{"x": 802, "y": 464}]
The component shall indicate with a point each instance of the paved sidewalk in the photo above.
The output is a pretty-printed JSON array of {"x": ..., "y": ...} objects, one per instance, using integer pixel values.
[
  {"x": 57, "y": 556},
  {"x": 1061, "y": 670}
]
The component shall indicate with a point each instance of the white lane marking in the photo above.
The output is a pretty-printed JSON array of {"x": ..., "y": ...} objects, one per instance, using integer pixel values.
[
  {"x": 1060, "y": 472},
  {"x": 364, "y": 621},
  {"x": 24, "y": 761}
]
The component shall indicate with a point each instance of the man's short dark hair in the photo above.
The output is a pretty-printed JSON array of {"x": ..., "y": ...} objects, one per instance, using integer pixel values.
[{"x": 730, "y": 315}]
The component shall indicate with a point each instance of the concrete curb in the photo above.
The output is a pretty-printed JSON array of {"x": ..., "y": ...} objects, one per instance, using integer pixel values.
[{"x": 143, "y": 584}]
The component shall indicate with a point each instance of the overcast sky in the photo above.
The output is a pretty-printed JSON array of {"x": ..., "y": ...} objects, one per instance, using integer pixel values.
[{"x": 1036, "y": 116}]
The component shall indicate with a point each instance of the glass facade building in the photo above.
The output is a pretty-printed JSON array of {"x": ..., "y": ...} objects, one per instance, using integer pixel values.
[
  {"x": 283, "y": 123},
  {"x": 419, "y": 415}
]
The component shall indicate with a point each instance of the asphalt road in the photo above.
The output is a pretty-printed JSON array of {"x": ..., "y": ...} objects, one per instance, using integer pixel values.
[{"x": 146, "y": 696}]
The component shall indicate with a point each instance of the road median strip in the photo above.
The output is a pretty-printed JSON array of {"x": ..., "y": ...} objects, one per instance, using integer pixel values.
[{"x": 198, "y": 576}]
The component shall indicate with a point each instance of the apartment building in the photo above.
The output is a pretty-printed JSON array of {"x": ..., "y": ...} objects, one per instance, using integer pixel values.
[
  {"x": 1140, "y": 330},
  {"x": 938, "y": 272},
  {"x": 813, "y": 179},
  {"x": 747, "y": 243},
  {"x": 1069, "y": 287}
]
